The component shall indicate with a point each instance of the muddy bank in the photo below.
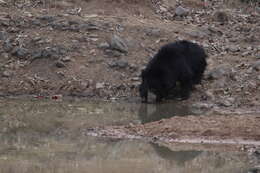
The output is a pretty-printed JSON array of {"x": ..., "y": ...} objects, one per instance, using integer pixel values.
[{"x": 194, "y": 129}]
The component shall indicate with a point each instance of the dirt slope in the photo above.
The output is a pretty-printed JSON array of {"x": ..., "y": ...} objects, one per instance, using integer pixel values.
[{"x": 66, "y": 47}]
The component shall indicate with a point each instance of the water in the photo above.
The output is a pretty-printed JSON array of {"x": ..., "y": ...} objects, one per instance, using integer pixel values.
[{"x": 45, "y": 136}]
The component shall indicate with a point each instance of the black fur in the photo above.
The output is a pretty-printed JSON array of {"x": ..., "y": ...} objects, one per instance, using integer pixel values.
[{"x": 181, "y": 61}]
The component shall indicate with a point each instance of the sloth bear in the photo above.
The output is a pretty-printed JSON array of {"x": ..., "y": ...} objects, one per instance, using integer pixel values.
[{"x": 181, "y": 62}]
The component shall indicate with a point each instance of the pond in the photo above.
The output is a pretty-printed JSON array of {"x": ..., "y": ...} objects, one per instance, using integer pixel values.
[{"x": 45, "y": 136}]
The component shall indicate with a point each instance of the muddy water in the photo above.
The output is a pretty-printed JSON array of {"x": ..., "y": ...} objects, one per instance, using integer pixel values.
[{"x": 45, "y": 137}]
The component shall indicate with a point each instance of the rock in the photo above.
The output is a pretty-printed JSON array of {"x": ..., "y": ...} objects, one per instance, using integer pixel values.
[
  {"x": 36, "y": 54},
  {"x": 135, "y": 79},
  {"x": 7, "y": 74},
  {"x": 200, "y": 108},
  {"x": 74, "y": 28},
  {"x": 220, "y": 16},
  {"x": 111, "y": 53},
  {"x": 119, "y": 28},
  {"x": 154, "y": 32},
  {"x": 233, "y": 48},
  {"x": 202, "y": 105},
  {"x": 3, "y": 35},
  {"x": 219, "y": 72},
  {"x": 75, "y": 11},
  {"x": 5, "y": 55},
  {"x": 66, "y": 59},
  {"x": 220, "y": 83},
  {"x": 20, "y": 52},
  {"x": 209, "y": 95},
  {"x": 38, "y": 40},
  {"x": 256, "y": 65},
  {"x": 225, "y": 103},
  {"x": 36, "y": 22},
  {"x": 119, "y": 64},
  {"x": 214, "y": 30},
  {"x": 60, "y": 64},
  {"x": 197, "y": 34},
  {"x": 7, "y": 46},
  {"x": 103, "y": 45},
  {"x": 89, "y": 26},
  {"x": 100, "y": 85},
  {"x": 180, "y": 11},
  {"x": 118, "y": 43},
  {"x": 169, "y": 3},
  {"x": 122, "y": 64},
  {"x": 47, "y": 18},
  {"x": 2, "y": 2},
  {"x": 249, "y": 48},
  {"x": 245, "y": 53},
  {"x": 163, "y": 9}
]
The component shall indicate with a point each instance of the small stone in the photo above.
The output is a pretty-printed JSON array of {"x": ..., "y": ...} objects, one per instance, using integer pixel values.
[
  {"x": 245, "y": 53},
  {"x": 59, "y": 64},
  {"x": 111, "y": 53},
  {"x": 7, "y": 74},
  {"x": 100, "y": 85},
  {"x": 7, "y": 46},
  {"x": 118, "y": 43},
  {"x": 202, "y": 105},
  {"x": 104, "y": 45},
  {"x": 226, "y": 103},
  {"x": 256, "y": 65},
  {"x": 122, "y": 64},
  {"x": 92, "y": 52},
  {"x": 180, "y": 11},
  {"x": 66, "y": 59},
  {"x": 2, "y": 2},
  {"x": 47, "y": 18},
  {"x": 233, "y": 48},
  {"x": 233, "y": 40},
  {"x": 209, "y": 95},
  {"x": 219, "y": 72},
  {"x": 135, "y": 79},
  {"x": 20, "y": 52},
  {"x": 37, "y": 39},
  {"x": 89, "y": 27},
  {"x": 36, "y": 54},
  {"x": 93, "y": 39},
  {"x": 5, "y": 55},
  {"x": 197, "y": 34},
  {"x": 155, "y": 32},
  {"x": 249, "y": 48},
  {"x": 220, "y": 16},
  {"x": 36, "y": 22},
  {"x": 47, "y": 52},
  {"x": 163, "y": 9},
  {"x": 3, "y": 35}
]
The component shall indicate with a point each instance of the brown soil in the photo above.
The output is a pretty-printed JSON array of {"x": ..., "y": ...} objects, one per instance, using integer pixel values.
[{"x": 208, "y": 129}]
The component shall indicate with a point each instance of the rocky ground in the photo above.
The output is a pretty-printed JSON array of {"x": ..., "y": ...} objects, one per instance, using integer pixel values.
[{"x": 96, "y": 49}]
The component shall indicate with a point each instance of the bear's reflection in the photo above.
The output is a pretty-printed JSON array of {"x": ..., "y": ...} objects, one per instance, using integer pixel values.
[{"x": 155, "y": 112}]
